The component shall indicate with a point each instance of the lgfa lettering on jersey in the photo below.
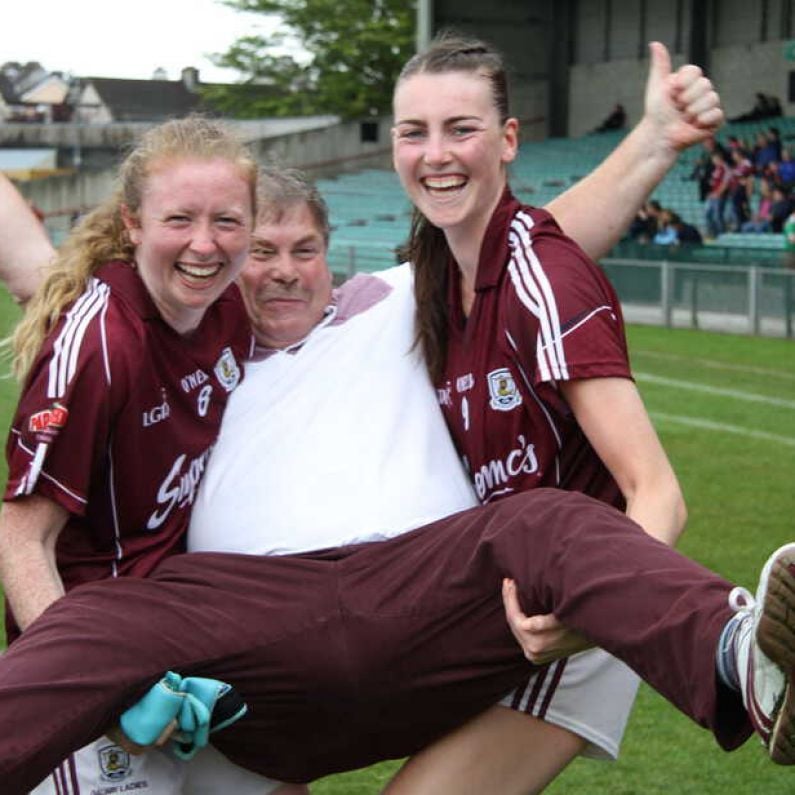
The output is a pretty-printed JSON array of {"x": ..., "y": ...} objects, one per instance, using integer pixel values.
[{"x": 158, "y": 413}]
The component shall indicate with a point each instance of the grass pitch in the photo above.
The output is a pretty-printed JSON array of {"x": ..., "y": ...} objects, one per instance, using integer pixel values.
[{"x": 725, "y": 409}]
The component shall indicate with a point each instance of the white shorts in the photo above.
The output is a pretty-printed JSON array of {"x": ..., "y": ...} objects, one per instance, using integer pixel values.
[
  {"x": 211, "y": 773},
  {"x": 104, "y": 768},
  {"x": 590, "y": 694}
]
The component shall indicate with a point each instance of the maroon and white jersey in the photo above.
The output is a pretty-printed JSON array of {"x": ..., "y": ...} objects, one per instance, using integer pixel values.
[
  {"x": 543, "y": 313},
  {"x": 117, "y": 419}
]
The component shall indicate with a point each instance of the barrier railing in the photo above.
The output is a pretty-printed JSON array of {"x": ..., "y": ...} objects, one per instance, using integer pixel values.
[{"x": 741, "y": 299}]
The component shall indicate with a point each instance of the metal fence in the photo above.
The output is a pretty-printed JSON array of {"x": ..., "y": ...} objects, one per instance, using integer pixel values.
[
  {"x": 743, "y": 299},
  {"x": 740, "y": 299}
]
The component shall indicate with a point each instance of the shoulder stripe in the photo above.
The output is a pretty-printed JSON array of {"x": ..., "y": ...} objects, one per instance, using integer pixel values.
[
  {"x": 104, "y": 335},
  {"x": 66, "y": 347},
  {"x": 530, "y": 273},
  {"x": 551, "y": 326}
]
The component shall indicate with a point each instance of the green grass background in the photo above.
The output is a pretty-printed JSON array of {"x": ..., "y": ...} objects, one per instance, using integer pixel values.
[{"x": 739, "y": 481}]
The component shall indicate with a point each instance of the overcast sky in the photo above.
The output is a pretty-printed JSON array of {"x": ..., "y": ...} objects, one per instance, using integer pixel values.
[{"x": 129, "y": 39}]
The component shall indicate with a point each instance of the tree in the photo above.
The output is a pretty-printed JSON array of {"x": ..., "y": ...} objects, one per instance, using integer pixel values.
[{"x": 356, "y": 49}]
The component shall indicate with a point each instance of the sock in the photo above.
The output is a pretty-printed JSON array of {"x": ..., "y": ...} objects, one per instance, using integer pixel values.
[{"x": 726, "y": 654}]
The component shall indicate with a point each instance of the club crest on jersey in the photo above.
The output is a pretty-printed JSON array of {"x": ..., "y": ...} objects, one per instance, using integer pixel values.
[
  {"x": 114, "y": 762},
  {"x": 51, "y": 419},
  {"x": 227, "y": 371},
  {"x": 502, "y": 390}
]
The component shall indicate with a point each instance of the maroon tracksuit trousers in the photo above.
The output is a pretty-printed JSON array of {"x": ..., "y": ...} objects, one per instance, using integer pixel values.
[{"x": 368, "y": 652}]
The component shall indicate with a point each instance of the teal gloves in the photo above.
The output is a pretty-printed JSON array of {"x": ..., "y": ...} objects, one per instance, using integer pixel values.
[{"x": 199, "y": 706}]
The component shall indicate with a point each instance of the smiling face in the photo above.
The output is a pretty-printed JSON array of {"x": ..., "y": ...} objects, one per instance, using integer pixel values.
[
  {"x": 191, "y": 234},
  {"x": 286, "y": 282},
  {"x": 450, "y": 150}
]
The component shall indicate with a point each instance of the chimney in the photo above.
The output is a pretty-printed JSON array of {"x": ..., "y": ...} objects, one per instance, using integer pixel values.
[{"x": 190, "y": 78}]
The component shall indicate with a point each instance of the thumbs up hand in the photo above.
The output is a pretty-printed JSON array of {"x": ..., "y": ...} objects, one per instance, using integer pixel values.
[{"x": 683, "y": 106}]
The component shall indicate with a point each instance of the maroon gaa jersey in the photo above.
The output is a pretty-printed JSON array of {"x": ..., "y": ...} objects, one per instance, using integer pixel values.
[
  {"x": 117, "y": 419},
  {"x": 543, "y": 313}
]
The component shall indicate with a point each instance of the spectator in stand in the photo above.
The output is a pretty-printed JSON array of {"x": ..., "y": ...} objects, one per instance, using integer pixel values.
[
  {"x": 782, "y": 207},
  {"x": 765, "y": 107},
  {"x": 702, "y": 170},
  {"x": 718, "y": 194},
  {"x": 741, "y": 187},
  {"x": 785, "y": 170},
  {"x": 666, "y": 234},
  {"x": 765, "y": 153},
  {"x": 735, "y": 144},
  {"x": 773, "y": 136},
  {"x": 686, "y": 234},
  {"x": 761, "y": 220},
  {"x": 617, "y": 120},
  {"x": 646, "y": 223}
]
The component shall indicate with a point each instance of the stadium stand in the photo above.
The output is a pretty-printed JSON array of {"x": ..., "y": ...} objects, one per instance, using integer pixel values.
[
  {"x": 735, "y": 283},
  {"x": 371, "y": 215}
]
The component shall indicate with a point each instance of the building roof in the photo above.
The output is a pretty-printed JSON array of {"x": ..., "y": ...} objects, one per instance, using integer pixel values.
[
  {"x": 144, "y": 100},
  {"x": 51, "y": 90}
]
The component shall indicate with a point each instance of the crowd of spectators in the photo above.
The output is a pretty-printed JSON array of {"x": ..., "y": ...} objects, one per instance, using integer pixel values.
[
  {"x": 746, "y": 185},
  {"x": 662, "y": 227},
  {"x": 739, "y": 175}
]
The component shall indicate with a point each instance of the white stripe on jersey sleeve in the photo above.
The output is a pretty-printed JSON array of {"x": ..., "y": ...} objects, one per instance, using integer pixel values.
[
  {"x": 520, "y": 286},
  {"x": 23, "y": 483},
  {"x": 34, "y": 469},
  {"x": 104, "y": 335},
  {"x": 533, "y": 308},
  {"x": 549, "y": 350},
  {"x": 66, "y": 347},
  {"x": 550, "y": 344}
]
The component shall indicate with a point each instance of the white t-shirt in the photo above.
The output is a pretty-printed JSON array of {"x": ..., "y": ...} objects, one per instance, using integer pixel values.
[{"x": 335, "y": 441}]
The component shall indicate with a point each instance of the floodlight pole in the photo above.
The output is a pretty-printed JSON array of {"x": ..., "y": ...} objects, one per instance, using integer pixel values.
[{"x": 424, "y": 24}]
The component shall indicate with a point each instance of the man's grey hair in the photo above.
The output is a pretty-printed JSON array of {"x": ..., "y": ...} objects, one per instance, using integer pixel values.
[{"x": 281, "y": 189}]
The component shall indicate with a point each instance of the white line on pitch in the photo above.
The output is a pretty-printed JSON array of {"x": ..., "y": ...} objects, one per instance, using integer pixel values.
[
  {"x": 715, "y": 390},
  {"x": 715, "y": 365},
  {"x": 710, "y": 425}
]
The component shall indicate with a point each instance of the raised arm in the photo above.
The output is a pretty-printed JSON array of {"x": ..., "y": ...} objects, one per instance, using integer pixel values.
[
  {"x": 681, "y": 109},
  {"x": 25, "y": 249}
]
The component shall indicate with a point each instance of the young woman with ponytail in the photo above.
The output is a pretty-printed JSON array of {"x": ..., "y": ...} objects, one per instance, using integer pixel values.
[{"x": 524, "y": 340}]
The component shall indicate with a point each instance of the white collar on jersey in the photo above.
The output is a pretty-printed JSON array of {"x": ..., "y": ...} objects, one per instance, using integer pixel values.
[{"x": 261, "y": 352}]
